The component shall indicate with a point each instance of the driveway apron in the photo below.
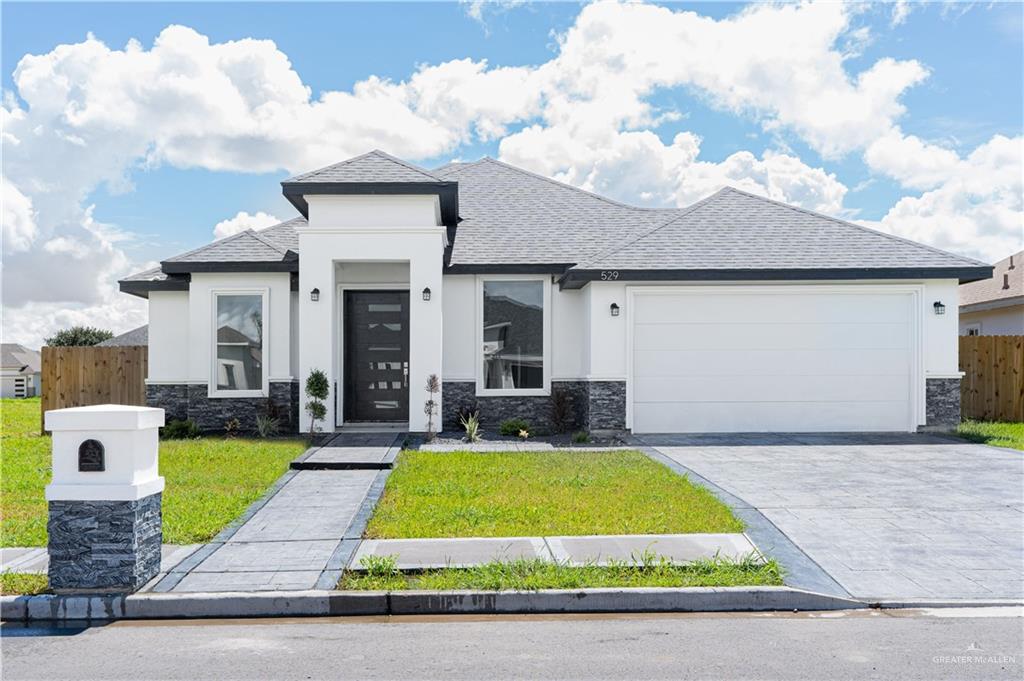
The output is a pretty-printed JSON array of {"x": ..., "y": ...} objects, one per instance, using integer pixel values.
[{"x": 889, "y": 517}]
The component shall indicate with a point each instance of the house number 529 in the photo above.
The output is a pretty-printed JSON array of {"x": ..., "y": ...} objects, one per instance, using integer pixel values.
[{"x": 609, "y": 275}]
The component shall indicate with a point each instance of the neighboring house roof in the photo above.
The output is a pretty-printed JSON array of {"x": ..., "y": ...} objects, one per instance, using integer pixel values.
[
  {"x": 513, "y": 220},
  {"x": 139, "y": 336},
  {"x": 1004, "y": 288},
  {"x": 15, "y": 356}
]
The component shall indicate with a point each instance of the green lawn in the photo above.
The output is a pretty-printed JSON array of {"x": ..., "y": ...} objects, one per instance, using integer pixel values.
[
  {"x": 530, "y": 575},
  {"x": 993, "y": 433},
  {"x": 515, "y": 494},
  {"x": 209, "y": 481},
  {"x": 22, "y": 583}
]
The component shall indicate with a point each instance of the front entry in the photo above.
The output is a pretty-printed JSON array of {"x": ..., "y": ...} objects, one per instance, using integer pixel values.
[{"x": 376, "y": 356}]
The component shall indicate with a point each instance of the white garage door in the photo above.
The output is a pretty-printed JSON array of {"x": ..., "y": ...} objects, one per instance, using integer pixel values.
[{"x": 735, "y": 360}]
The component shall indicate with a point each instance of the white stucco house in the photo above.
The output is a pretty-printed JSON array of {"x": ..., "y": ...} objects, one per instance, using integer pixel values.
[
  {"x": 735, "y": 314},
  {"x": 20, "y": 371},
  {"x": 995, "y": 306}
]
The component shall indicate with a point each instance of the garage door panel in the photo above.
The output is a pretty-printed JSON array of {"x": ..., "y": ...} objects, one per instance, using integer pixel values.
[
  {"x": 772, "y": 361},
  {"x": 760, "y": 308},
  {"x": 665, "y": 363},
  {"x": 844, "y": 388},
  {"x": 771, "y": 417},
  {"x": 748, "y": 336}
]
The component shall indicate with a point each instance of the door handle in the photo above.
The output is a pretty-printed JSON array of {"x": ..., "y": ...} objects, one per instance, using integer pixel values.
[{"x": 405, "y": 374}]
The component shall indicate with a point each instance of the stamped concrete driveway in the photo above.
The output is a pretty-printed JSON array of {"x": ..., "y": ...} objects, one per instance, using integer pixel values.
[{"x": 889, "y": 517}]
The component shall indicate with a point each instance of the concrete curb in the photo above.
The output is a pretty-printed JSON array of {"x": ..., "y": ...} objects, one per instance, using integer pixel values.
[{"x": 61, "y": 608}]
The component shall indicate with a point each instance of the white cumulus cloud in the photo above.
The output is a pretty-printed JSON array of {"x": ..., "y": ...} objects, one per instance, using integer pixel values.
[{"x": 243, "y": 221}]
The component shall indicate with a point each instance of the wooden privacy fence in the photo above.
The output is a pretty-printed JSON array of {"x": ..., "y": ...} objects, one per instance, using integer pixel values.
[
  {"x": 80, "y": 376},
  {"x": 993, "y": 383}
]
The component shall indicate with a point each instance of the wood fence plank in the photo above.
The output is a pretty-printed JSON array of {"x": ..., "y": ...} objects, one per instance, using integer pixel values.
[
  {"x": 80, "y": 376},
  {"x": 993, "y": 383}
]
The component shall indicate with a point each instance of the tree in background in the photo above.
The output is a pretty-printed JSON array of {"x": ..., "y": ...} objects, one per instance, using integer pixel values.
[{"x": 79, "y": 335}]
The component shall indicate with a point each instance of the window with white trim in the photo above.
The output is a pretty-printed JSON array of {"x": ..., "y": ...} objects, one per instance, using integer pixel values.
[
  {"x": 513, "y": 335},
  {"x": 973, "y": 329},
  {"x": 238, "y": 366}
]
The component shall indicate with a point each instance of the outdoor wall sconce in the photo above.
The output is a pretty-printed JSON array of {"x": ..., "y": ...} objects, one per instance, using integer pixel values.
[
  {"x": 314, "y": 295},
  {"x": 426, "y": 293},
  {"x": 939, "y": 308},
  {"x": 615, "y": 309}
]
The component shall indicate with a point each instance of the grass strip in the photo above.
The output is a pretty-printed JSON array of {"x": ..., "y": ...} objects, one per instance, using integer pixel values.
[
  {"x": 995, "y": 433},
  {"x": 534, "y": 574},
  {"x": 22, "y": 584}
]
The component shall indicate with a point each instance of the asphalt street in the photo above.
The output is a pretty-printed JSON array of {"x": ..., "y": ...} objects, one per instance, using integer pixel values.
[{"x": 955, "y": 644}]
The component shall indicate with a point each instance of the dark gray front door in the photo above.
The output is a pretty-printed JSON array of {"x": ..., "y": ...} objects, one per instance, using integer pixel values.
[{"x": 376, "y": 356}]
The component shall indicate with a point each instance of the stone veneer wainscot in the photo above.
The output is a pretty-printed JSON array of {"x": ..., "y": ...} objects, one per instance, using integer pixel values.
[{"x": 192, "y": 401}]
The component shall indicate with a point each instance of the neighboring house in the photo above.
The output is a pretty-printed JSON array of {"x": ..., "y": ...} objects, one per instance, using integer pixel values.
[
  {"x": 138, "y": 336},
  {"x": 20, "y": 371},
  {"x": 995, "y": 306},
  {"x": 737, "y": 313}
]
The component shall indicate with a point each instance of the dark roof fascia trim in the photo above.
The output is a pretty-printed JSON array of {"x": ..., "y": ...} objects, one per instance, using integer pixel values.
[
  {"x": 142, "y": 288},
  {"x": 579, "y": 278},
  {"x": 513, "y": 268},
  {"x": 447, "y": 192},
  {"x": 985, "y": 305},
  {"x": 290, "y": 265}
]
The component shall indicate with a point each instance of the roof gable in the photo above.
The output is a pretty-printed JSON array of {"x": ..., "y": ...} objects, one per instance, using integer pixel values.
[
  {"x": 374, "y": 166},
  {"x": 1006, "y": 283}
]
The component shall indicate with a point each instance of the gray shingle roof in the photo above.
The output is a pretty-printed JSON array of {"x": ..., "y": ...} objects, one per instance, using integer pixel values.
[
  {"x": 992, "y": 290},
  {"x": 139, "y": 336},
  {"x": 375, "y": 166},
  {"x": 247, "y": 246},
  {"x": 15, "y": 355},
  {"x": 732, "y": 229},
  {"x": 513, "y": 216}
]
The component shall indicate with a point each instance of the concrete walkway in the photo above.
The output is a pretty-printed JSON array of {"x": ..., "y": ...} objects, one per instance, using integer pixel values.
[
  {"x": 302, "y": 533},
  {"x": 352, "y": 451},
  {"x": 889, "y": 517},
  {"x": 419, "y": 554}
]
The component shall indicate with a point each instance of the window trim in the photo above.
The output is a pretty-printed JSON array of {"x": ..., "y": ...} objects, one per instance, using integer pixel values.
[
  {"x": 264, "y": 293},
  {"x": 478, "y": 322}
]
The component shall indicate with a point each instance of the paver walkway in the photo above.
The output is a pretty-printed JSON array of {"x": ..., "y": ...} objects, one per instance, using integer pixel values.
[
  {"x": 299, "y": 538},
  {"x": 889, "y": 517},
  {"x": 419, "y": 554}
]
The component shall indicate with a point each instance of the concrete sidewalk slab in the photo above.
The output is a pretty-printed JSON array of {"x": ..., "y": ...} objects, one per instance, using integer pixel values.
[
  {"x": 460, "y": 552},
  {"x": 677, "y": 548},
  {"x": 37, "y": 560},
  {"x": 352, "y": 451}
]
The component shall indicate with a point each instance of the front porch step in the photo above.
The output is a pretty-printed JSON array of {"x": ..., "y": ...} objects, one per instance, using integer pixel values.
[{"x": 352, "y": 451}]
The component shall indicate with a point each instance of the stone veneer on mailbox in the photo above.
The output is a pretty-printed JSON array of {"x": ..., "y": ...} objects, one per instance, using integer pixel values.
[
  {"x": 192, "y": 401},
  {"x": 593, "y": 405},
  {"x": 104, "y": 545}
]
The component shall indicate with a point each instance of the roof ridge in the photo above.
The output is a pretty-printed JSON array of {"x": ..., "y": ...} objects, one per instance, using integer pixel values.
[
  {"x": 222, "y": 240},
  {"x": 456, "y": 166},
  {"x": 372, "y": 152},
  {"x": 566, "y": 185},
  {"x": 629, "y": 242},
  {"x": 264, "y": 240},
  {"x": 847, "y": 223}
]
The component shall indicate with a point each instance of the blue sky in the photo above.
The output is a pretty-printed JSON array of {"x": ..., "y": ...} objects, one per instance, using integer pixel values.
[{"x": 967, "y": 94}]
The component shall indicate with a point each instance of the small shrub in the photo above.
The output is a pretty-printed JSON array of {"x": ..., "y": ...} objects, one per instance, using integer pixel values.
[
  {"x": 318, "y": 388},
  {"x": 581, "y": 437},
  {"x": 561, "y": 410},
  {"x": 513, "y": 426},
  {"x": 180, "y": 429},
  {"x": 379, "y": 566},
  {"x": 267, "y": 426},
  {"x": 432, "y": 387},
  {"x": 471, "y": 422},
  {"x": 524, "y": 435},
  {"x": 232, "y": 428}
]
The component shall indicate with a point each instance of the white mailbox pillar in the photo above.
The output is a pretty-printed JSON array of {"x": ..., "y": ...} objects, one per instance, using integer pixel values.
[{"x": 104, "y": 526}]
